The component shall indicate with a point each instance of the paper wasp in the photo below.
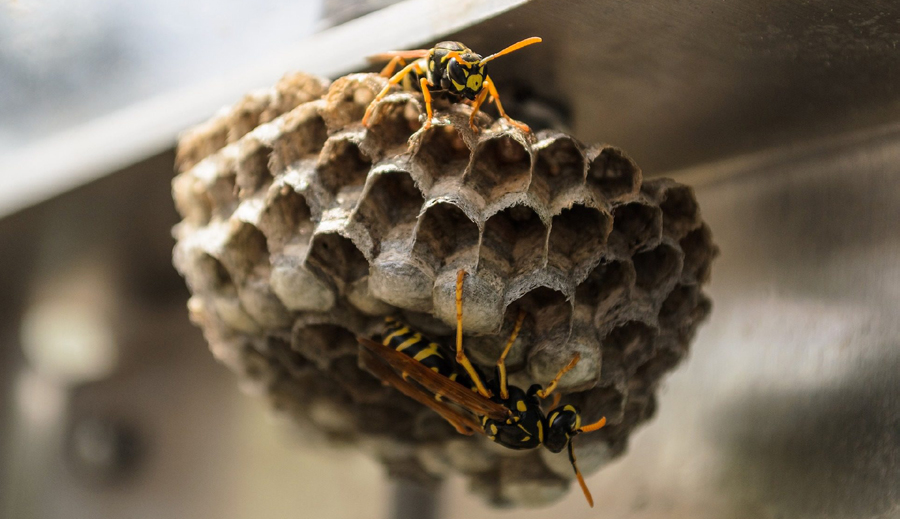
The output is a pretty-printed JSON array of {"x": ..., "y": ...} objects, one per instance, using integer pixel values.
[
  {"x": 505, "y": 413},
  {"x": 449, "y": 68}
]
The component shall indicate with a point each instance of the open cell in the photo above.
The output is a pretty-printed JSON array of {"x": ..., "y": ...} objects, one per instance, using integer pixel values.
[
  {"x": 636, "y": 226},
  {"x": 578, "y": 237},
  {"x": 606, "y": 285},
  {"x": 657, "y": 267},
  {"x": 392, "y": 200},
  {"x": 517, "y": 238},
  {"x": 442, "y": 152},
  {"x": 303, "y": 136},
  {"x": 342, "y": 165},
  {"x": 253, "y": 167},
  {"x": 678, "y": 305},
  {"x": 210, "y": 275},
  {"x": 613, "y": 175},
  {"x": 559, "y": 168},
  {"x": 629, "y": 345},
  {"x": 444, "y": 233},
  {"x": 500, "y": 166},
  {"x": 286, "y": 215},
  {"x": 681, "y": 212},
  {"x": 246, "y": 250},
  {"x": 393, "y": 121},
  {"x": 338, "y": 257}
]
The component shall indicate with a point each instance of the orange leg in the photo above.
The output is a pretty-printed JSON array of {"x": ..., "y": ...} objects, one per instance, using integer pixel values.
[
  {"x": 594, "y": 426},
  {"x": 544, "y": 393},
  {"x": 501, "y": 362},
  {"x": 461, "y": 358},
  {"x": 398, "y": 77},
  {"x": 427, "y": 95},
  {"x": 493, "y": 90},
  {"x": 475, "y": 106},
  {"x": 388, "y": 70}
]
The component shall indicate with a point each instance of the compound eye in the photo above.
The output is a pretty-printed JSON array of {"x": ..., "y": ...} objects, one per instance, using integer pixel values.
[{"x": 455, "y": 70}]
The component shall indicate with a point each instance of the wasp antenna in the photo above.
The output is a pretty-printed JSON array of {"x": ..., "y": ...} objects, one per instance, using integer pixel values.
[
  {"x": 584, "y": 488},
  {"x": 594, "y": 426},
  {"x": 514, "y": 47}
]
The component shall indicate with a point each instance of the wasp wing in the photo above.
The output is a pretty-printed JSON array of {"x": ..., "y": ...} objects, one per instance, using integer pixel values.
[
  {"x": 405, "y": 54},
  {"x": 436, "y": 383},
  {"x": 463, "y": 423}
]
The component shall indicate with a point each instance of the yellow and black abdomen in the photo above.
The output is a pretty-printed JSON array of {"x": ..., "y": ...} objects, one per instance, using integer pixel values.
[{"x": 412, "y": 343}]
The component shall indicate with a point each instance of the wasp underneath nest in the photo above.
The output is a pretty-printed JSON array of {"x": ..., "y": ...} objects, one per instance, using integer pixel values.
[{"x": 304, "y": 229}]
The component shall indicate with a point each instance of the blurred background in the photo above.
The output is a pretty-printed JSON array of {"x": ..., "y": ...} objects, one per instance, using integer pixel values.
[{"x": 785, "y": 117}]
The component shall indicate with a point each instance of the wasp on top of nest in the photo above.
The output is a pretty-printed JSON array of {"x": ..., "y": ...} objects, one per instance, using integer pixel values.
[{"x": 451, "y": 69}]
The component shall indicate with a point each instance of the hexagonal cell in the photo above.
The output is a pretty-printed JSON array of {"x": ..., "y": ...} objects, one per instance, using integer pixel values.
[
  {"x": 200, "y": 142},
  {"x": 559, "y": 168},
  {"x": 442, "y": 152},
  {"x": 402, "y": 280},
  {"x": 223, "y": 193},
  {"x": 635, "y": 226},
  {"x": 482, "y": 300},
  {"x": 207, "y": 274},
  {"x": 606, "y": 286},
  {"x": 681, "y": 213},
  {"x": 337, "y": 257},
  {"x": 613, "y": 175},
  {"x": 661, "y": 362},
  {"x": 678, "y": 305},
  {"x": 487, "y": 349},
  {"x": 515, "y": 239},
  {"x": 444, "y": 235},
  {"x": 392, "y": 202},
  {"x": 245, "y": 116},
  {"x": 394, "y": 120},
  {"x": 500, "y": 165},
  {"x": 628, "y": 346},
  {"x": 657, "y": 268},
  {"x": 323, "y": 343},
  {"x": 286, "y": 216},
  {"x": 292, "y": 90},
  {"x": 303, "y": 135},
  {"x": 342, "y": 165},
  {"x": 191, "y": 199},
  {"x": 578, "y": 239},
  {"x": 298, "y": 288},
  {"x": 246, "y": 251},
  {"x": 699, "y": 252},
  {"x": 348, "y": 97}
]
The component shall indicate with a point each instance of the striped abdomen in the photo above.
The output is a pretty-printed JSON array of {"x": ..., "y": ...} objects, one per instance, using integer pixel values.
[{"x": 411, "y": 343}]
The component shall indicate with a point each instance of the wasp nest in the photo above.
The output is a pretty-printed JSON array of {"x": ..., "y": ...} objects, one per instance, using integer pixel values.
[{"x": 302, "y": 229}]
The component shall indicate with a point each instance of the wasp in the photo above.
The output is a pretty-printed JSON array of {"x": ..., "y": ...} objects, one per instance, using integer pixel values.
[
  {"x": 451, "y": 69},
  {"x": 503, "y": 412}
]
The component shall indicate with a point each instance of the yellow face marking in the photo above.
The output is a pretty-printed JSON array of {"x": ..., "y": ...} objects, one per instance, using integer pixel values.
[
  {"x": 474, "y": 82},
  {"x": 409, "y": 342},
  {"x": 541, "y": 432},
  {"x": 401, "y": 331},
  {"x": 520, "y": 406},
  {"x": 456, "y": 85}
]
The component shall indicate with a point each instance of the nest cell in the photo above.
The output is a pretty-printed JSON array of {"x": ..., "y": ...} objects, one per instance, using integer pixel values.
[
  {"x": 323, "y": 343},
  {"x": 394, "y": 120},
  {"x": 517, "y": 238},
  {"x": 628, "y": 345},
  {"x": 500, "y": 166},
  {"x": 287, "y": 216},
  {"x": 441, "y": 152},
  {"x": 342, "y": 165},
  {"x": 304, "y": 134},
  {"x": 681, "y": 213},
  {"x": 636, "y": 226},
  {"x": 246, "y": 251},
  {"x": 606, "y": 287},
  {"x": 612, "y": 175},
  {"x": 578, "y": 239},
  {"x": 390, "y": 205},
  {"x": 444, "y": 235},
  {"x": 699, "y": 251},
  {"x": 658, "y": 268},
  {"x": 337, "y": 257},
  {"x": 558, "y": 169}
]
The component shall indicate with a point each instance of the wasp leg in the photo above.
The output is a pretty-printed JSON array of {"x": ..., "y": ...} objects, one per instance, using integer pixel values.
[
  {"x": 388, "y": 69},
  {"x": 475, "y": 106},
  {"x": 493, "y": 90},
  {"x": 427, "y": 95},
  {"x": 584, "y": 488},
  {"x": 556, "y": 398},
  {"x": 398, "y": 77},
  {"x": 461, "y": 358},
  {"x": 544, "y": 393},
  {"x": 501, "y": 362},
  {"x": 594, "y": 426}
]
